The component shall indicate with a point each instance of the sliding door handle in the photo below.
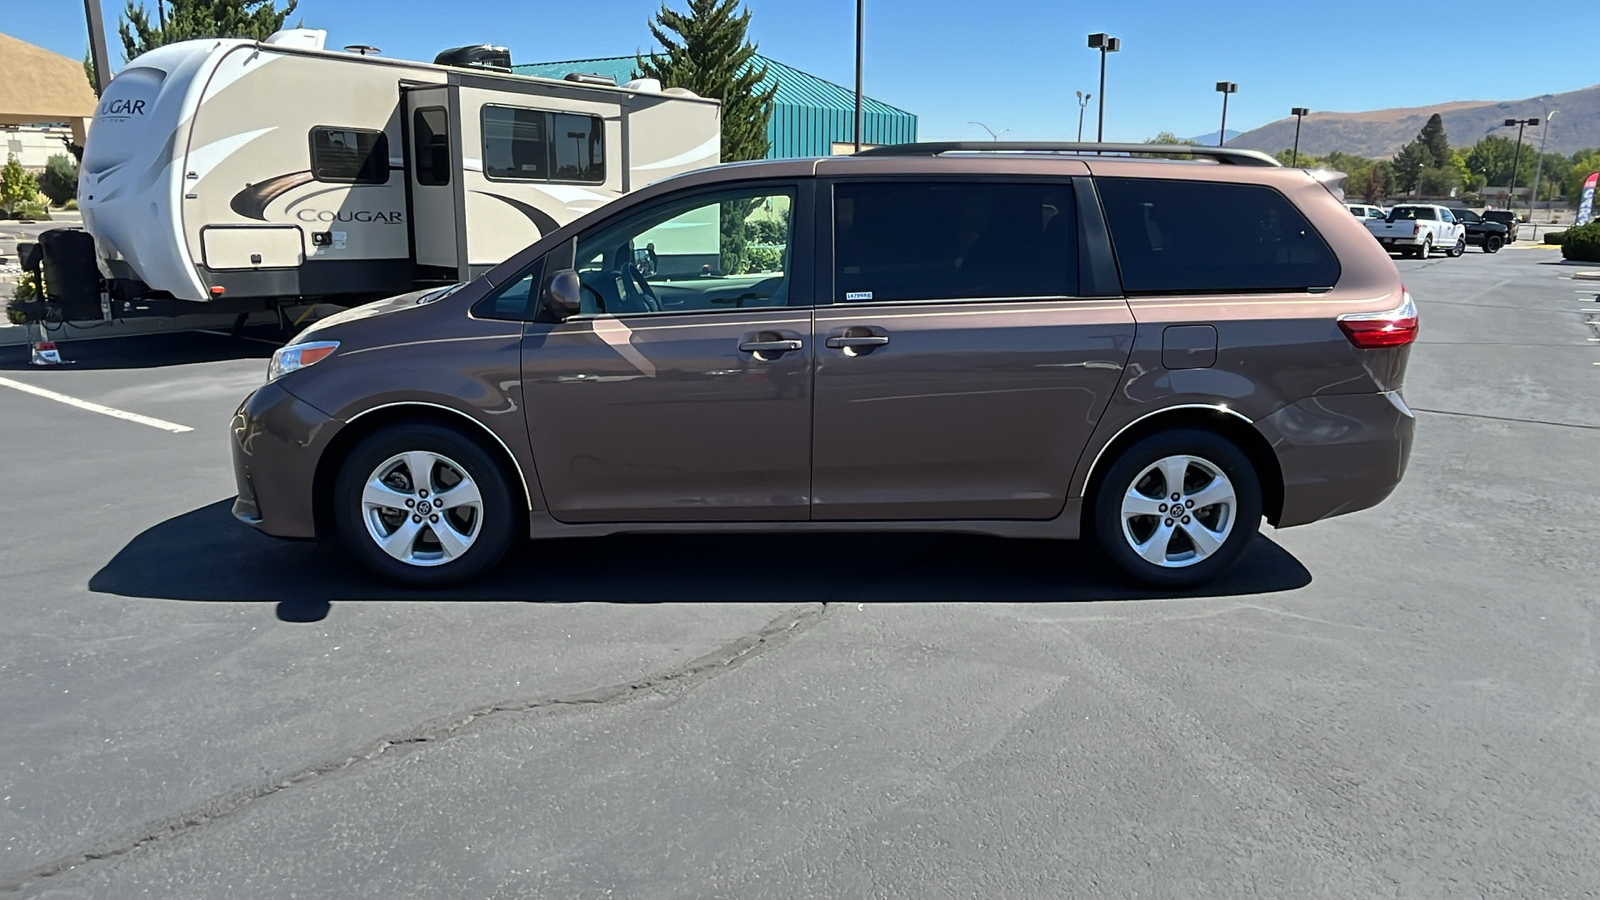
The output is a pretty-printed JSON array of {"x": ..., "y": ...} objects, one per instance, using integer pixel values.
[{"x": 856, "y": 341}]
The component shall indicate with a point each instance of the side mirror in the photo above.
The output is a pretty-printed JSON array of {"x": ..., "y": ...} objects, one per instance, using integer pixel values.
[{"x": 563, "y": 295}]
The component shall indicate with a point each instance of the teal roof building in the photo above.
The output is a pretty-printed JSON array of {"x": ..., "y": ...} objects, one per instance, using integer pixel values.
[{"x": 809, "y": 115}]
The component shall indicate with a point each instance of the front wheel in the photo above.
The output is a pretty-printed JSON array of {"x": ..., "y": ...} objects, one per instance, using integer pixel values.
[
  {"x": 1459, "y": 248},
  {"x": 423, "y": 505},
  {"x": 1177, "y": 508},
  {"x": 1492, "y": 244}
]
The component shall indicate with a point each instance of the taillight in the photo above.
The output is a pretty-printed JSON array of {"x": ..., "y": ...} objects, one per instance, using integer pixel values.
[
  {"x": 1392, "y": 328},
  {"x": 1414, "y": 227}
]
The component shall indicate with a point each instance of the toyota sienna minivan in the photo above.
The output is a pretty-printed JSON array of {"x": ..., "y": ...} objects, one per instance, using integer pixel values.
[{"x": 1055, "y": 341}]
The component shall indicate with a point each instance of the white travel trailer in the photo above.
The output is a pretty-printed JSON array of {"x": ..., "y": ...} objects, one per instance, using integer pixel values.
[{"x": 244, "y": 175}]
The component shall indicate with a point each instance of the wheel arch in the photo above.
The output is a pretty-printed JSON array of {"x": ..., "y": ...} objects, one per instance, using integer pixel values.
[
  {"x": 1229, "y": 423},
  {"x": 373, "y": 420}
]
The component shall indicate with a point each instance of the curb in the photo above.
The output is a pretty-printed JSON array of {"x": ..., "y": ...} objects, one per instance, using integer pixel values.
[{"x": 1586, "y": 276}]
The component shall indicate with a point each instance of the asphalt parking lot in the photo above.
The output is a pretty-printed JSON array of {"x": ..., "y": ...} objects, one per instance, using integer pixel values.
[{"x": 1404, "y": 702}]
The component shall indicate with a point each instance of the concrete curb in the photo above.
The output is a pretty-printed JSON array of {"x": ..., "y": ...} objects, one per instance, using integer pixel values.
[{"x": 1586, "y": 276}]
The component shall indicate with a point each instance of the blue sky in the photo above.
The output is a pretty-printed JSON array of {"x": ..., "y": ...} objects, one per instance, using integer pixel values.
[{"x": 1014, "y": 64}]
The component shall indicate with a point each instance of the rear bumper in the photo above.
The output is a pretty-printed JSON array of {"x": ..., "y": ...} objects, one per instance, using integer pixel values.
[
  {"x": 1339, "y": 453},
  {"x": 277, "y": 439},
  {"x": 1416, "y": 241}
]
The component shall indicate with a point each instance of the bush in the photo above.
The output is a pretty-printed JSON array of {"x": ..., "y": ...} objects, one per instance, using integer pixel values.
[
  {"x": 1582, "y": 244},
  {"x": 1554, "y": 237},
  {"x": 35, "y": 211},
  {"x": 71, "y": 204},
  {"x": 17, "y": 187},
  {"x": 60, "y": 179},
  {"x": 762, "y": 259}
]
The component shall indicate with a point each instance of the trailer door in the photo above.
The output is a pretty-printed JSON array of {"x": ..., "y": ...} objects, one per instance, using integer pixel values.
[{"x": 433, "y": 157}]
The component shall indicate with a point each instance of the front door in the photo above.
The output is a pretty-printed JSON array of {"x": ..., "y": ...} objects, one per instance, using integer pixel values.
[
  {"x": 957, "y": 377},
  {"x": 682, "y": 391}
]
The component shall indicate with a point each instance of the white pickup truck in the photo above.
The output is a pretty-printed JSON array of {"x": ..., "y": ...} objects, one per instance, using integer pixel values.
[{"x": 1419, "y": 229}]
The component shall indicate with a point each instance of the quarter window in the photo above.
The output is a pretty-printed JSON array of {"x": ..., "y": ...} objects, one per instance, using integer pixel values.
[
  {"x": 533, "y": 145},
  {"x": 349, "y": 156},
  {"x": 430, "y": 136},
  {"x": 896, "y": 241},
  {"x": 1186, "y": 237}
]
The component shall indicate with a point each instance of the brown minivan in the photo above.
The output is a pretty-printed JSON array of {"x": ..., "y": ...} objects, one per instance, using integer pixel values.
[{"x": 1022, "y": 340}]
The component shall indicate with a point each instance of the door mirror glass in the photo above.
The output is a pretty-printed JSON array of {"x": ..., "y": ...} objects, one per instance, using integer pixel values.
[{"x": 563, "y": 295}]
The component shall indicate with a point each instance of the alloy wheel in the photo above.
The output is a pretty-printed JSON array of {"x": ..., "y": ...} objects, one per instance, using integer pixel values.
[
  {"x": 1179, "y": 511},
  {"x": 422, "y": 508}
]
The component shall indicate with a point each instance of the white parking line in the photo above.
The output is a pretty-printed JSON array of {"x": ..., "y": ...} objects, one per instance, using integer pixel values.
[{"x": 114, "y": 413}]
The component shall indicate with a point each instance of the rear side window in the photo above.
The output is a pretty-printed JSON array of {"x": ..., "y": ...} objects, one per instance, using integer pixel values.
[
  {"x": 1186, "y": 237},
  {"x": 430, "y": 135},
  {"x": 951, "y": 241},
  {"x": 349, "y": 155}
]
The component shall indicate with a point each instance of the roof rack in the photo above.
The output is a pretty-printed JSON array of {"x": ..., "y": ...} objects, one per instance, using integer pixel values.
[{"x": 1227, "y": 156}]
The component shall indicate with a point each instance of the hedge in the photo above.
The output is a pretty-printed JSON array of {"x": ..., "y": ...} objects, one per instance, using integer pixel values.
[{"x": 1582, "y": 244}]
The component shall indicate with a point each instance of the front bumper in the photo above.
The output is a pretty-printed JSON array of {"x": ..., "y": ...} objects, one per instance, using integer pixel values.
[
  {"x": 277, "y": 439},
  {"x": 1339, "y": 453}
]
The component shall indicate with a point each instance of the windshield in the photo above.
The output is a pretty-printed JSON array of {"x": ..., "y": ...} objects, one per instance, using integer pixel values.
[{"x": 1402, "y": 213}]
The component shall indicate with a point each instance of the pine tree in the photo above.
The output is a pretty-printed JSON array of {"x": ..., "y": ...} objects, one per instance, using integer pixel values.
[
  {"x": 1409, "y": 163},
  {"x": 1435, "y": 142},
  {"x": 185, "y": 20},
  {"x": 707, "y": 52}
]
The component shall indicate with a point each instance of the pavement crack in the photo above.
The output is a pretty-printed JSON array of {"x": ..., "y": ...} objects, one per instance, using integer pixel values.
[
  {"x": 1467, "y": 415},
  {"x": 730, "y": 655}
]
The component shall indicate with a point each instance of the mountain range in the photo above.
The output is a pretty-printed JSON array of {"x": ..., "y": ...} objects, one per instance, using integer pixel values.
[{"x": 1381, "y": 133}]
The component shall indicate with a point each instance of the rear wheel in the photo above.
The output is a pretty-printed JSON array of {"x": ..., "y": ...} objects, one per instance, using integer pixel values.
[
  {"x": 1426, "y": 249},
  {"x": 1177, "y": 508},
  {"x": 1459, "y": 248},
  {"x": 1492, "y": 244},
  {"x": 422, "y": 504}
]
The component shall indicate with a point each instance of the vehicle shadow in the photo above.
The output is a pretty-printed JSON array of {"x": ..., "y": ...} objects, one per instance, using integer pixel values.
[
  {"x": 205, "y": 555},
  {"x": 148, "y": 351}
]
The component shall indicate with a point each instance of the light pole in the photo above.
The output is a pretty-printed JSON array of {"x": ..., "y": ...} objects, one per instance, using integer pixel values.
[
  {"x": 1538, "y": 169},
  {"x": 861, "y": 27},
  {"x": 1083, "y": 104},
  {"x": 1225, "y": 88},
  {"x": 1511, "y": 195},
  {"x": 1299, "y": 112},
  {"x": 992, "y": 135},
  {"x": 1105, "y": 43}
]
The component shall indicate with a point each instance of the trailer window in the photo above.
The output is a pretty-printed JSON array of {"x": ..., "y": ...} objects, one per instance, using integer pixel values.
[
  {"x": 532, "y": 145},
  {"x": 430, "y": 136},
  {"x": 349, "y": 156}
]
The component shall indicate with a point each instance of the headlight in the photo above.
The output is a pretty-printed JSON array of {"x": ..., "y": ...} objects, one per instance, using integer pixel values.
[{"x": 298, "y": 356}]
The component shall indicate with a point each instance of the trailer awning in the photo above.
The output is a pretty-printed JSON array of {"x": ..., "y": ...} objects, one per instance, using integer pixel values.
[{"x": 39, "y": 87}]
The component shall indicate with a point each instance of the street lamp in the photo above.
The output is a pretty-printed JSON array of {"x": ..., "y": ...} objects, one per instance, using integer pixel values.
[
  {"x": 1225, "y": 88},
  {"x": 992, "y": 135},
  {"x": 861, "y": 29},
  {"x": 1105, "y": 43},
  {"x": 1538, "y": 170},
  {"x": 1299, "y": 112},
  {"x": 1083, "y": 104},
  {"x": 1511, "y": 195}
]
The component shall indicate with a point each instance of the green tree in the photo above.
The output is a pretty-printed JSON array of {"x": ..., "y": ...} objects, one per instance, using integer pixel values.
[
  {"x": 1491, "y": 158},
  {"x": 60, "y": 180},
  {"x": 1167, "y": 137},
  {"x": 1408, "y": 165},
  {"x": 1582, "y": 168},
  {"x": 185, "y": 20},
  {"x": 707, "y": 51},
  {"x": 17, "y": 187},
  {"x": 1435, "y": 142},
  {"x": 88, "y": 72}
]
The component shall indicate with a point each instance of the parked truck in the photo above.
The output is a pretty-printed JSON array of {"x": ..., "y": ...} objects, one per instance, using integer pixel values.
[{"x": 1416, "y": 230}]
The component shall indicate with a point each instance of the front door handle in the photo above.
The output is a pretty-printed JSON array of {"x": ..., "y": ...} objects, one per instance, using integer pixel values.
[
  {"x": 856, "y": 341},
  {"x": 770, "y": 346}
]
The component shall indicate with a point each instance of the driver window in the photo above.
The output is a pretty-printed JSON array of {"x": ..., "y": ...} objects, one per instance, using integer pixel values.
[{"x": 716, "y": 252}]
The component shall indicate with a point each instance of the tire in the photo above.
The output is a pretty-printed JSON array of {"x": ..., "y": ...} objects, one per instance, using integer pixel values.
[
  {"x": 1426, "y": 249},
  {"x": 443, "y": 542},
  {"x": 1492, "y": 244},
  {"x": 1212, "y": 467},
  {"x": 1459, "y": 248}
]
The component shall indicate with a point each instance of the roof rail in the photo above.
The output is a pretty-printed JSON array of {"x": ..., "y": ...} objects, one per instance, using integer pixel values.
[{"x": 1229, "y": 156}]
